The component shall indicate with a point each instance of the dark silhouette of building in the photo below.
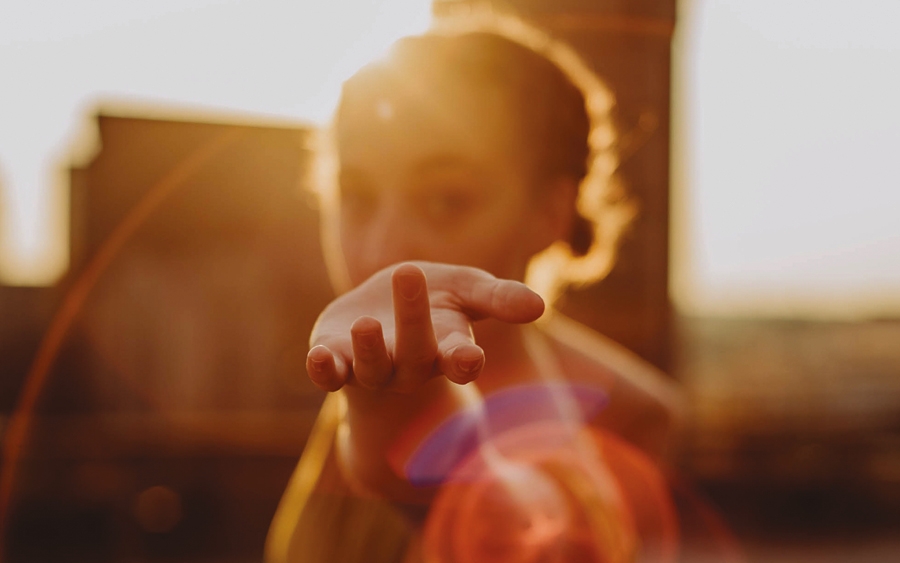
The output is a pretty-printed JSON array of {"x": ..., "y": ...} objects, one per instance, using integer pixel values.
[{"x": 176, "y": 405}]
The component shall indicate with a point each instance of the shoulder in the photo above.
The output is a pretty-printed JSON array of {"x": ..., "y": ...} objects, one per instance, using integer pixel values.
[{"x": 645, "y": 406}]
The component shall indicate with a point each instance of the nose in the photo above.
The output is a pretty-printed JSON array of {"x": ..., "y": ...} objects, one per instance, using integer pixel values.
[{"x": 390, "y": 238}]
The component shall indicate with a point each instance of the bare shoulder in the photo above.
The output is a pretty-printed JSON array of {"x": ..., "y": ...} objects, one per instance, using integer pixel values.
[{"x": 645, "y": 405}]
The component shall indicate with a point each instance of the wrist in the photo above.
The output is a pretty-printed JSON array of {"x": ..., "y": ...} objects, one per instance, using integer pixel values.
[{"x": 375, "y": 422}]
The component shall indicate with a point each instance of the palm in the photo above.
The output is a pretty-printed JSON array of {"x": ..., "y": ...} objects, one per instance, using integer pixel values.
[{"x": 397, "y": 330}]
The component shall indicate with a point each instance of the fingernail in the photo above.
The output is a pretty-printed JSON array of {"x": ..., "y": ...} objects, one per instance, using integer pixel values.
[
  {"x": 410, "y": 286},
  {"x": 470, "y": 366},
  {"x": 318, "y": 364},
  {"x": 367, "y": 339}
]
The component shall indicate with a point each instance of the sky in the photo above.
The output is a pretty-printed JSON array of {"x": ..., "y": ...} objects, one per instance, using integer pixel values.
[
  {"x": 60, "y": 60},
  {"x": 786, "y": 175},
  {"x": 785, "y": 179}
]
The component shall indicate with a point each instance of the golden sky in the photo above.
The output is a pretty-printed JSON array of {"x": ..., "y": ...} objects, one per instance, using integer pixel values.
[{"x": 260, "y": 60}]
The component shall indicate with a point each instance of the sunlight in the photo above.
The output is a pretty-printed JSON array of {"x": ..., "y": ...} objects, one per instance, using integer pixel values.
[
  {"x": 235, "y": 60},
  {"x": 784, "y": 173}
]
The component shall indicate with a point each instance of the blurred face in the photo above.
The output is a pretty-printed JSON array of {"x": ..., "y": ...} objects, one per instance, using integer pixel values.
[{"x": 436, "y": 178}]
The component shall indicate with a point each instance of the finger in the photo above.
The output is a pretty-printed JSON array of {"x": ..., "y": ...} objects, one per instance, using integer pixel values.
[
  {"x": 372, "y": 367},
  {"x": 479, "y": 295},
  {"x": 415, "y": 347},
  {"x": 459, "y": 358},
  {"x": 325, "y": 370},
  {"x": 506, "y": 300}
]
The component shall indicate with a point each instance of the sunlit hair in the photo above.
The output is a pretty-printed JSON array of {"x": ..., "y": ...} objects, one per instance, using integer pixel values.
[{"x": 565, "y": 112}]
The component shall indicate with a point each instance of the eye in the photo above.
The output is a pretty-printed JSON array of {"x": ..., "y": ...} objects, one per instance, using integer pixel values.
[
  {"x": 449, "y": 194},
  {"x": 449, "y": 203}
]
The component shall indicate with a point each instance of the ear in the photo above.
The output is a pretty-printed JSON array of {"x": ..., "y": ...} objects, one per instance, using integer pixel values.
[{"x": 556, "y": 211}]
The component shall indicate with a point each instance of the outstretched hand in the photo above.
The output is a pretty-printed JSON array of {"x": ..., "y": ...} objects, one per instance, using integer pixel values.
[{"x": 397, "y": 330}]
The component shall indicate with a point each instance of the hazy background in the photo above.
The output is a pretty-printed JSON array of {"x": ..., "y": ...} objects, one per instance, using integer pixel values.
[{"x": 156, "y": 410}]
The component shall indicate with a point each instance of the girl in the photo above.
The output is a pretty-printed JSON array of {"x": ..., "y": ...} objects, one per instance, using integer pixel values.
[{"x": 466, "y": 420}]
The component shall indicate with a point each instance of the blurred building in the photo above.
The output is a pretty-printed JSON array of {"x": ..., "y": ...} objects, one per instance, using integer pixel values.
[{"x": 175, "y": 408}]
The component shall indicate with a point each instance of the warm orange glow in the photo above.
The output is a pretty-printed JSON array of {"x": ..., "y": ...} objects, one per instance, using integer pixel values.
[{"x": 244, "y": 61}]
